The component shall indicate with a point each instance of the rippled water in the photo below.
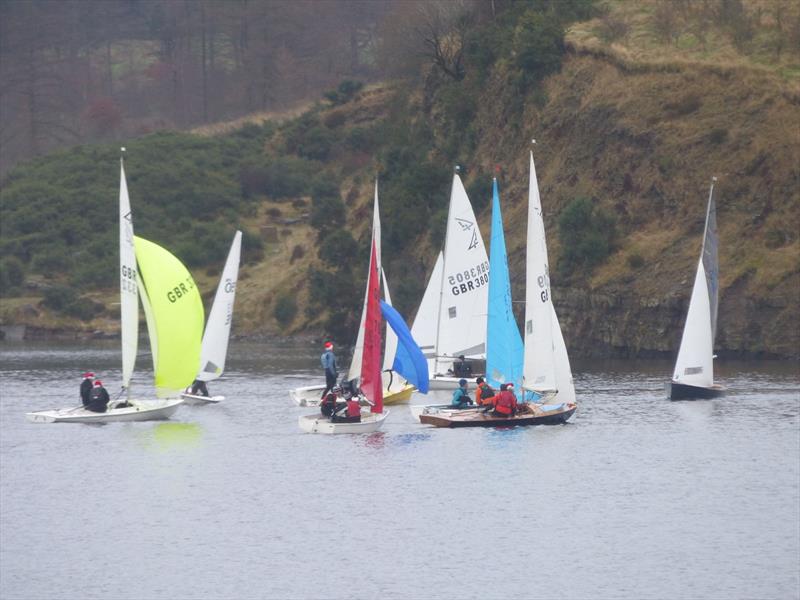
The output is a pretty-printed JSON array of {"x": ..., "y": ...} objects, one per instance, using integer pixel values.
[{"x": 636, "y": 497}]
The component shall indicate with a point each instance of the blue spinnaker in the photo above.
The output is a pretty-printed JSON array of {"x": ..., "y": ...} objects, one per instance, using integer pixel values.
[
  {"x": 504, "y": 349},
  {"x": 409, "y": 360}
]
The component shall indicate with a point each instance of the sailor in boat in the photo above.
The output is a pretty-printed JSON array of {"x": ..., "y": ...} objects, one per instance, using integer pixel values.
[
  {"x": 505, "y": 403},
  {"x": 483, "y": 393},
  {"x": 98, "y": 398},
  {"x": 199, "y": 388},
  {"x": 331, "y": 367},
  {"x": 86, "y": 387},
  {"x": 462, "y": 368},
  {"x": 461, "y": 397},
  {"x": 350, "y": 412}
]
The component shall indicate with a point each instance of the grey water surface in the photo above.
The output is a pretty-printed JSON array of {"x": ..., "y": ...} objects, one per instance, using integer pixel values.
[{"x": 636, "y": 497}]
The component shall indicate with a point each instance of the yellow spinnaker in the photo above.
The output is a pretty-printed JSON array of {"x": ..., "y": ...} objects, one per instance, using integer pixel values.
[{"x": 174, "y": 313}]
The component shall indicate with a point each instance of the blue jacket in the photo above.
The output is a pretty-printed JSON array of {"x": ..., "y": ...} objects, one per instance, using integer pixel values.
[
  {"x": 459, "y": 395},
  {"x": 328, "y": 360}
]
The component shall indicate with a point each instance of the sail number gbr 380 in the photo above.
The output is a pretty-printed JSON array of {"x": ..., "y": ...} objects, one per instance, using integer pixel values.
[{"x": 469, "y": 279}]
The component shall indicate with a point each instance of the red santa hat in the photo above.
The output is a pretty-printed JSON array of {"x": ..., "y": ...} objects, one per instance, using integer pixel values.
[
  {"x": 88, "y": 374},
  {"x": 97, "y": 383},
  {"x": 328, "y": 345}
]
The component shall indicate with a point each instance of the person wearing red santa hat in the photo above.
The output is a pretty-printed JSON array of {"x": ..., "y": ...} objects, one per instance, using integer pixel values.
[
  {"x": 328, "y": 360},
  {"x": 98, "y": 399},
  {"x": 86, "y": 387}
]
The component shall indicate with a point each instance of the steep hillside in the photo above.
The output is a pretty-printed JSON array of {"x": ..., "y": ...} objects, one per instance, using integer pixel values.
[{"x": 629, "y": 127}]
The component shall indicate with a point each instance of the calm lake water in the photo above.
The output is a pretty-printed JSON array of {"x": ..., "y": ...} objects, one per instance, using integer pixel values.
[{"x": 636, "y": 497}]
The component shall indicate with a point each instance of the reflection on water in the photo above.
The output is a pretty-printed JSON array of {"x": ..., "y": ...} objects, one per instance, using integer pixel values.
[
  {"x": 636, "y": 497},
  {"x": 168, "y": 435}
]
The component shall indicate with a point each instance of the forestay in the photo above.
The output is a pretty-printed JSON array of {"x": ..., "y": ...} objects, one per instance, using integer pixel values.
[
  {"x": 504, "y": 349},
  {"x": 218, "y": 329},
  {"x": 174, "y": 313}
]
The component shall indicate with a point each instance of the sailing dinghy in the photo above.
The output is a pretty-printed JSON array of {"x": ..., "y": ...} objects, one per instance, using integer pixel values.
[
  {"x": 544, "y": 366},
  {"x": 371, "y": 383},
  {"x": 694, "y": 367},
  {"x": 171, "y": 321},
  {"x": 214, "y": 347},
  {"x": 396, "y": 387},
  {"x": 451, "y": 319}
]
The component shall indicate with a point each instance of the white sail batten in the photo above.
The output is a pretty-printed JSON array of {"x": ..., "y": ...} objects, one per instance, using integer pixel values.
[
  {"x": 694, "y": 365},
  {"x": 426, "y": 321},
  {"x": 129, "y": 307},
  {"x": 464, "y": 296},
  {"x": 218, "y": 329},
  {"x": 539, "y": 373},
  {"x": 358, "y": 351}
]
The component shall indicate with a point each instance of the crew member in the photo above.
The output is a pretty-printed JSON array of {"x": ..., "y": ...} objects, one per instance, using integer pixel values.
[
  {"x": 461, "y": 397},
  {"x": 331, "y": 367},
  {"x": 86, "y": 387},
  {"x": 199, "y": 388},
  {"x": 483, "y": 392},
  {"x": 505, "y": 403},
  {"x": 352, "y": 412},
  {"x": 98, "y": 398}
]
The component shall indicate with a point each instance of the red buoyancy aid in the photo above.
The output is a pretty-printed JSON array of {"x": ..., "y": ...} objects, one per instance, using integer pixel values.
[
  {"x": 353, "y": 408},
  {"x": 505, "y": 403}
]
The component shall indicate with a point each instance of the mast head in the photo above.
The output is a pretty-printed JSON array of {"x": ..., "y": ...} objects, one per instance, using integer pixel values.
[
  {"x": 457, "y": 169},
  {"x": 533, "y": 142}
]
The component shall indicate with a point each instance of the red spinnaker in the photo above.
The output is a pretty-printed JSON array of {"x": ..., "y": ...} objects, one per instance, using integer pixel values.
[{"x": 371, "y": 383}]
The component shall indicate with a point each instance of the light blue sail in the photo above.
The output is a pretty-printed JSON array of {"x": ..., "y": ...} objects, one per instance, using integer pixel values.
[
  {"x": 409, "y": 360},
  {"x": 504, "y": 349}
]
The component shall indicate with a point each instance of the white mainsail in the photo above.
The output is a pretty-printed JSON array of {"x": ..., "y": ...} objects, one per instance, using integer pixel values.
[
  {"x": 218, "y": 328},
  {"x": 566, "y": 388},
  {"x": 358, "y": 352},
  {"x": 426, "y": 321},
  {"x": 464, "y": 292},
  {"x": 539, "y": 373},
  {"x": 695, "y": 363},
  {"x": 129, "y": 307}
]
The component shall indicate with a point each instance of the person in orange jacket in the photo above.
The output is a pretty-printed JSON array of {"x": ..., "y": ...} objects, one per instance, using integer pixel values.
[
  {"x": 483, "y": 392},
  {"x": 505, "y": 403}
]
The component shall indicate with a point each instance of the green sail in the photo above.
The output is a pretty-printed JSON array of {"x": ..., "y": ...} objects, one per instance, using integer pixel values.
[{"x": 174, "y": 313}]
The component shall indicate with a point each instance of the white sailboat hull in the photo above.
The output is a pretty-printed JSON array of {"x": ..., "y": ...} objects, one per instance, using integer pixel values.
[
  {"x": 142, "y": 410},
  {"x": 370, "y": 422},
  {"x": 193, "y": 400}
]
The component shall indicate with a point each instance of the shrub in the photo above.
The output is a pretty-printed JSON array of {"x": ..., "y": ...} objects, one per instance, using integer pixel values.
[
  {"x": 12, "y": 273},
  {"x": 285, "y": 309},
  {"x": 298, "y": 252},
  {"x": 338, "y": 248},
  {"x": 586, "y": 233},
  {"x": 718, "y": 135},
  {"x": 538, "y": 45},
  {"x": 344, "y": 92},
  {"x": 635, "y": 261}
]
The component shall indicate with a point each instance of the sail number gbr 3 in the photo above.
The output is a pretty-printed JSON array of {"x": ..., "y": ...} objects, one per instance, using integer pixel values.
[{"x": 469, "y": 279}]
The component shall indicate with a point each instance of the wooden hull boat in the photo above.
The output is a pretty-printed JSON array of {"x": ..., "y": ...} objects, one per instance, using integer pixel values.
[
  {"x": 534, "y": 414},
  {"x": 142, "y": 410},
  {"x": 317, "y": 423},
  {"x": 194, "y": 400},
  {"x": 682, "y": 391},
  {"x": 312, "y": 394}
]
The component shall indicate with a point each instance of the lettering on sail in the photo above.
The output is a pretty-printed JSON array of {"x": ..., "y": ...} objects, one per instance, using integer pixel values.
[
  {"x": 470, "y": 279},
  {"x": 180, "y": 290}
]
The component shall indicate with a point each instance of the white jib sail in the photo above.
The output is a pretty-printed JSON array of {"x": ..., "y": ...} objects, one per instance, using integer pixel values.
[
  {"x": 695, "y": 356},
  {"x": 218, "y": 328},
  {"x": 566, "y": 388},
  {"x": 129, "y": 303},
  {"x": 426, "y": 321},
  {"x": 390, "y": 346},
  {"x": 358, "y": 351},
  {"x": 539, "y": 370},
  {"x": 464, "y": 296}
]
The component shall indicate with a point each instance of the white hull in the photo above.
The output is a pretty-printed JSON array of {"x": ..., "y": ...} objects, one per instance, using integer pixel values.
[
  {"x": 370, "y": 422},
  {"x": 142, "y": 410},
  {"x": 192, "y": 400},
  {"x": 444, "y": 382}
]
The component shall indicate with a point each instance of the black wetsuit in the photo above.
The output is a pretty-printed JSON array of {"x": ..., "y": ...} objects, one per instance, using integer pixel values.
[
  {"x": 98, "y": 400},
  {"x": 86, "y": 391},
  {"x": 199, "y": 388}
]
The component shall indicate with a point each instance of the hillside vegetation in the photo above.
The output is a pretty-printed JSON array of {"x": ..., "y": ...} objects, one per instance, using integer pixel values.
[{"x": 632, "y": 119}]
